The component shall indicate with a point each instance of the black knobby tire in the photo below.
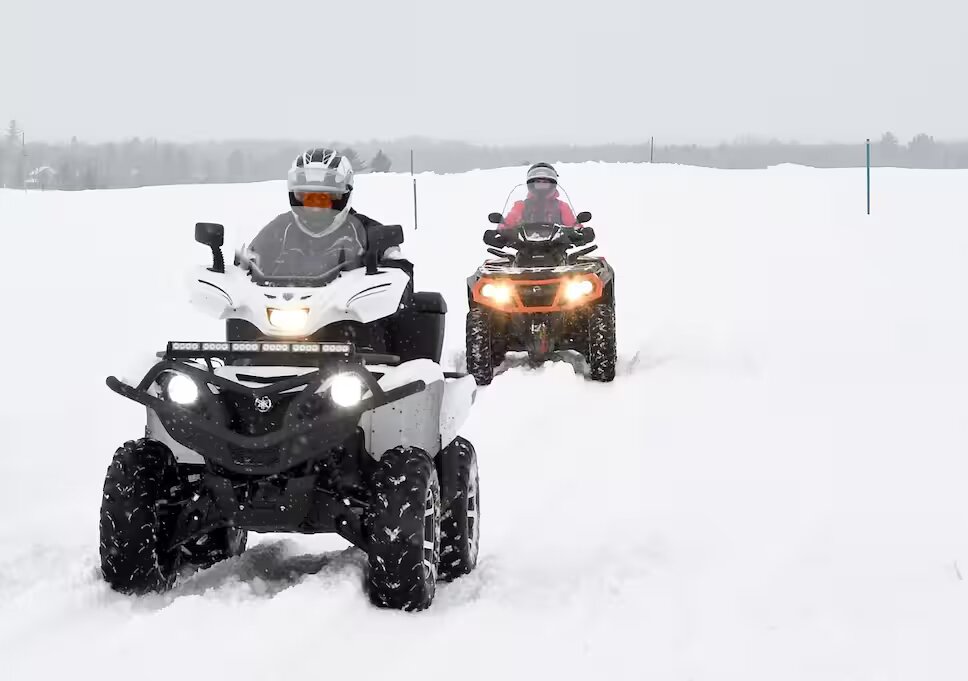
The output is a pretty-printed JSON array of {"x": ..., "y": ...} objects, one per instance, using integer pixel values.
[
  {"x": 460, "y": 505},
  {"x": 480, "y": 354},
  {"x": 217, "y": 545},
  {"x": 134, "y": 555},
  {"x": 602, "y": 353},
  {"x": 403, "y": 530}
]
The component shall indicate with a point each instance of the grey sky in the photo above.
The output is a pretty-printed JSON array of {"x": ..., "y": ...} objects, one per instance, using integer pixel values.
[{"x": 494, "y": 71}]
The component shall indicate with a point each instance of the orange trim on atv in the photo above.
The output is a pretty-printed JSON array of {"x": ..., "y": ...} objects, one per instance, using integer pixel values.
[{"x": 515, "y": 302}]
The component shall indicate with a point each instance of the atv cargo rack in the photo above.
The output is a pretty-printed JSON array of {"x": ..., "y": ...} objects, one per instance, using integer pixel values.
[{"x": 309, "y": 423}]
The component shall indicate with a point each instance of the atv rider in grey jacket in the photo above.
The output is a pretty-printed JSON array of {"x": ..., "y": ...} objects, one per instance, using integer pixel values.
[{"x": 321, "y": 234}]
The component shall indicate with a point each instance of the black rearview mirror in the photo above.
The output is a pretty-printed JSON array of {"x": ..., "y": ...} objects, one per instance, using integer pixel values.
[
  {"x": 495, "y": 218},
  {"x": 493, "y": 237},
  {"x": 212, "y": 234},
  {"x": 584, "y": 217}
]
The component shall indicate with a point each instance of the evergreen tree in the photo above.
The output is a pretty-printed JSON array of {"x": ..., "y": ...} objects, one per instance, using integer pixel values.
[
  {"x": 354, "y": 159},
  {"x": 13, "y": 134},
  {"x": 888, "y": 149},
  {"x": 380, "y": 163},
  {"x": 235, "y": 166},
  {"x": 13, "y": 171}
]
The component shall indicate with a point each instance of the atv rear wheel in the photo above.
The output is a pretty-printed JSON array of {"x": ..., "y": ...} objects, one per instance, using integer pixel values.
[
  {"x": 403, "y": 529},
  {"x": 480, "y": 353},
  {"x": 134, "y": 539},
  {"x": 460, "y": 499},
  {"x": 602, "y": 352}
]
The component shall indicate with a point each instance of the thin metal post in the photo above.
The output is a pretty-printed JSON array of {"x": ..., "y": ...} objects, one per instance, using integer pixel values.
[
  {"x": 651, "y": 148},
  {"x": 868, "y": 177},
  {"x": 414, "y": 179}
]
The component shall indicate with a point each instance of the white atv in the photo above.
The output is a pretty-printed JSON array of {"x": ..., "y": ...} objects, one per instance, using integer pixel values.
[{"x": 325, "y": 410}]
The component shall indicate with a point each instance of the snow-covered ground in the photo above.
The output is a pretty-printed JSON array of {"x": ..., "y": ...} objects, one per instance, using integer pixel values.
[{"x": 774, "y": 487}]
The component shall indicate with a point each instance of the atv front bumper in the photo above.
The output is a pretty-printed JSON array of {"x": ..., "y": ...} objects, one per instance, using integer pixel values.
[{"x": 304, "y": 426}]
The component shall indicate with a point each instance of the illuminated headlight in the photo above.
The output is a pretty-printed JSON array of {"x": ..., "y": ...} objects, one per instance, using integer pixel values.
[
  {"x": 577, "y": 289},
  {"x": 499, "y": 293},
  {"x": 290, "y": 320},
  {"x": 346, "y": 390},
  {"x": 182, "y": 390}
]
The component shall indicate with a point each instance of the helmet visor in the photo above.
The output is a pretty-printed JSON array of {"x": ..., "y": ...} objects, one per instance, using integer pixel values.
[
  {"x": 315, "y": 199},
  {"x": 314, "y": 178},
  {"x": 541, "y": 187}
]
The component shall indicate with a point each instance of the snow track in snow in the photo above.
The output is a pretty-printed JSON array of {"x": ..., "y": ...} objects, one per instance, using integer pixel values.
[{"x": 773, "y": 487}]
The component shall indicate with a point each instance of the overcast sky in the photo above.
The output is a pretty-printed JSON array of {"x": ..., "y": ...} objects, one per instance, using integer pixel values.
[{"x": 493, "y": 71}]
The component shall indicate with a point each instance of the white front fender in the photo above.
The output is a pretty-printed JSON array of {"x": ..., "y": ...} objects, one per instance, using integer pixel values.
[{"x": 209, "y": 292}]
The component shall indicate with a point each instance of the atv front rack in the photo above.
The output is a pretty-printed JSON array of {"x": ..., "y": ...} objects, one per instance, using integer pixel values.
[
  {"x": 310, "y": 425},
  {"x": 282, "y": 352}
]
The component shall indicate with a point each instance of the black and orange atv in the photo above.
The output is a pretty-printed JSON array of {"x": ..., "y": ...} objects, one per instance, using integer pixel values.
[{"x": 541, "y": 297}]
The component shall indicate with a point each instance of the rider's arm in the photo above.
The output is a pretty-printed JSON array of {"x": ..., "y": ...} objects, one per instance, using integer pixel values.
[
  {"x": 391, "y": 257},
  {"x": 514, "y": 216},
  {"x": 567, "y": 216},
  {"x": 269, "y": 241}
]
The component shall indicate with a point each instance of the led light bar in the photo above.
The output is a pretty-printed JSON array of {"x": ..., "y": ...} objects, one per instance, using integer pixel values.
[
  {"x": 275, "y": 347},
  {"x": 305, "y": 347},
  {"x": 191, "y": 349},
  {"x": 337, "y": 348}
]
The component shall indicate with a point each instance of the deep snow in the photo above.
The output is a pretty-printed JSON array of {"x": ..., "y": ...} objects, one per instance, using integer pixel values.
[{"x": 772, "y": 488}]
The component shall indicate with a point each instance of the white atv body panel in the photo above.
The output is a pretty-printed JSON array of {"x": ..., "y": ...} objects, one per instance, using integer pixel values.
[
  {"x": 353, "y": 296},
  {"x": 428, "y": 420}
]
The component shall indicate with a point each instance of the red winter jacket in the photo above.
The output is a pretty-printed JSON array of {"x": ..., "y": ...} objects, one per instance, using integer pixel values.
[{"x": 537, "y": 209}]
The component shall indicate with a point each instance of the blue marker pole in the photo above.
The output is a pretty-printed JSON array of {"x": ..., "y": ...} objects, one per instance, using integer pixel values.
[{"x": 868, "y": 177}]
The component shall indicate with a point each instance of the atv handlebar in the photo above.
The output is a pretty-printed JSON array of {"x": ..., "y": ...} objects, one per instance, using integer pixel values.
[{"x": 567, "y": 237}]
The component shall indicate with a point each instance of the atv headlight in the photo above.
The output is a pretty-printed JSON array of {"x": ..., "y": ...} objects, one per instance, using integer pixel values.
[
  {"x": 499, "y": 293},
  {"x": 576, "y": 289},
  {"x": 346, "y": 390},
  {"x": 182, "y": 390},
  {"x": 290, "y": 320}
]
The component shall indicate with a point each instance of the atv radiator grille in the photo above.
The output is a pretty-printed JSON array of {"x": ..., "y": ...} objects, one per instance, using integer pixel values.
[
  {"x": 251, "y": 416},
  {"x": 537, "y": 295}
]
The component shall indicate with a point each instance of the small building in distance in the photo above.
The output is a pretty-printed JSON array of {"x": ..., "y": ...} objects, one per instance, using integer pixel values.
[{"x": 42, "y": 178}]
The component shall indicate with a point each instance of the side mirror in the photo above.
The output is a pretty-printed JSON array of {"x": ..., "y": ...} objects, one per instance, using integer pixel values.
[
  {"x": 378, "y": 239},
  {"x": 212, "y": 234},
  {"x": 495, "y": 218},
  {"x": 584, "y": 217},
  {"x": 493, "y": 237}
]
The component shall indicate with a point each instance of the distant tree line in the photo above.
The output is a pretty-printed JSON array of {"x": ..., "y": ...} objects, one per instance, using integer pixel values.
[{"x": 140, "y": 162}]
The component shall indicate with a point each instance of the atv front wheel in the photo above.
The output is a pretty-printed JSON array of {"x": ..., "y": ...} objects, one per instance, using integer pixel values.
[
  {"x": 403, "y": 528},
  {"x": 135, "y": 558},
  {"x": 480, "y": 354},
  {"x": 460, "y": 531},
  {"x": 602, "y": 353}
]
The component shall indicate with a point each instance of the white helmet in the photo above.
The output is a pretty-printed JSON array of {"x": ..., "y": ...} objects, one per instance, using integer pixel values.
[
  {"x": 321, "y": 171},
  {"x": 542, "y": 179}
]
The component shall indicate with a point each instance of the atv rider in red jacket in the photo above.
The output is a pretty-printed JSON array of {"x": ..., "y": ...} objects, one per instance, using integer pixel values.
[{"x": 542, "y": 204}]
